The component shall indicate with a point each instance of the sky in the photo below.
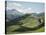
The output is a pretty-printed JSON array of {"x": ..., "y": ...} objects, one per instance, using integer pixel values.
[{"x": 26, "y": 7}]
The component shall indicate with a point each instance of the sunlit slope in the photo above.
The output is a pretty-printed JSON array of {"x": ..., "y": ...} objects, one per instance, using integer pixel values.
[{"x": 28, "y": 22}]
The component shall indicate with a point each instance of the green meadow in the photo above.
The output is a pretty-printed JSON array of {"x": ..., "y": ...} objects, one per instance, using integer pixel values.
[{"x": 28, "y": 24}]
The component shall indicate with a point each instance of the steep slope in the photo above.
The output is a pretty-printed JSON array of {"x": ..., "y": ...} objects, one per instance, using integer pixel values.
[{"x": 12, "y": 14}]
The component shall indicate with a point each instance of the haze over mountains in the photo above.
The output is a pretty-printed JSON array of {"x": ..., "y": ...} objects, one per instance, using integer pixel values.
[
  {"x": 12, "y": 14},
  {"x": 24, "y": 17},
  {"x": 15, "y": 10}
]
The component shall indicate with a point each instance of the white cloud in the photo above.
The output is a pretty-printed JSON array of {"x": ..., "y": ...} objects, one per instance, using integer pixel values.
[
  {"x": 13, "y": 5},
  {"x": 29, "y": 8},
  {"x": 19, "y": 7},
  {"x": 24, "y": 10},
  {"x": 18, "y": 4}
]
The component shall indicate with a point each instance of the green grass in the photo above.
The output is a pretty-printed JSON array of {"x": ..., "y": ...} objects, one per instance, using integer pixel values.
[
  {"x": 42, "y": 29},
  {"x": 27, "y": 22},
  {"x": 12, "y": 28}
]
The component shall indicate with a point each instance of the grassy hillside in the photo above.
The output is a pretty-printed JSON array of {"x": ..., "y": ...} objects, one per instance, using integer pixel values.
[{"x": 27, "y": 23}]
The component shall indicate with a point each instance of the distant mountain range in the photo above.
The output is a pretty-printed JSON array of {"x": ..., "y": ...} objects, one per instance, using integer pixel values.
[
  {"x": 40, "y": 14},
  {"x": 12, "y": 14}
]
